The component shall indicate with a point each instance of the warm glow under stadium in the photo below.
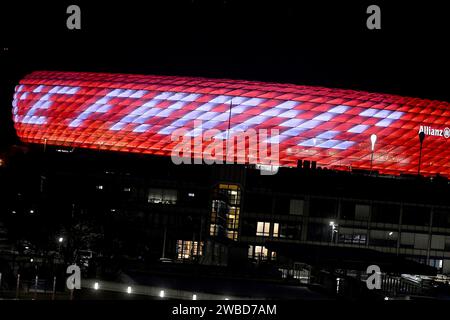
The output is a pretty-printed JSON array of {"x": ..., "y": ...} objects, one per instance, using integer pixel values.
[{"x": 138, "y": 113}]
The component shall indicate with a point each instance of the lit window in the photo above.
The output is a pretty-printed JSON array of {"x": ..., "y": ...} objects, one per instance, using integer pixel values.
[
  {"x": 226, "y": 212},
  {"x": 99, "y": 187},
  {"x": 213, "y": 230},
  {"x": 275, "y": 229},
  {"x": 189, "y": 249},
  {"x": 232, "y": 235},
  {"x": 261, "y": 253},
  {"x": 230, "y": 223},
  {"x": 263, "y": 229}
]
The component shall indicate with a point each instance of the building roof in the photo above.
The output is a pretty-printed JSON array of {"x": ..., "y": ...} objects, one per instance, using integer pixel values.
[
  {"x": 161, "y": 115},
  {"x": 341, "y": 257}
]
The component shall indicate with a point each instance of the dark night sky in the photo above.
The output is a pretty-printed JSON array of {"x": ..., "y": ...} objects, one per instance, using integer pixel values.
[{"x": 313, "y": 43}]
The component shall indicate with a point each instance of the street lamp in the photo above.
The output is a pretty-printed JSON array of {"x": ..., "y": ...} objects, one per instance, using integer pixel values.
[
  {"x": 373, "y": 140},
  {"x": 421, "y": 138},
  {"x": 60, "y": 242},
  {"x": 333, "y": 230}
]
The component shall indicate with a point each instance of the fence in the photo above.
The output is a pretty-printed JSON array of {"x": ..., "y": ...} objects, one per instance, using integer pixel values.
[{"x": 28, "y": 288}]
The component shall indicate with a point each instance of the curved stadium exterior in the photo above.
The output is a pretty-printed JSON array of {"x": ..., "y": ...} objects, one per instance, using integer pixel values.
[{"x": 139, "y": 113}]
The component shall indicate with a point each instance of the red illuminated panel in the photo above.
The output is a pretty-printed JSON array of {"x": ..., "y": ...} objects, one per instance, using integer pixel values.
[{"x": 137, "y": 113}]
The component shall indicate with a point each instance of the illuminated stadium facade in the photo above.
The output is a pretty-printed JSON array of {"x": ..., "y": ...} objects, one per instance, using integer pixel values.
[{"x": 139, "y": 114}]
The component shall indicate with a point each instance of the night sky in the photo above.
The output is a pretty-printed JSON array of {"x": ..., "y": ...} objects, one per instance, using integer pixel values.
[{"x": 322, "y": 43}]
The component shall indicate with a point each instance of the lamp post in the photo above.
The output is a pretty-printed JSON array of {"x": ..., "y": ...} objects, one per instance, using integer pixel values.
[
  {"x": 421, "y": 138},
  {"x": 54, "y": 288},
  {"x": 333, "y": 230},
  {"x": 164, "y": 244},
  {"x": 18, "y": 286},
  {"x": 60, "y": 242},
  {"x": 373, "y": 140}
]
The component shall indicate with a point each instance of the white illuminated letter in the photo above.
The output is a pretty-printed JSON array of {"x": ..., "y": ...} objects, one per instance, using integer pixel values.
[
  {"x": 182, "y": 151},
  {"x": 74, "y": 20},
  {"x": 374, "y": 279},
  {"x": 74, "y": 280},
  {"x": 374, "y": 20}
]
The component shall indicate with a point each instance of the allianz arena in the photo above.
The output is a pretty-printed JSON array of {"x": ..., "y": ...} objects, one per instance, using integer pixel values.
[{"x": 138, "y": 114}]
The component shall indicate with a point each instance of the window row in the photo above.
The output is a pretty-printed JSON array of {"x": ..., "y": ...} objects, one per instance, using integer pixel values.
[
  {"x": 260, "y": 253},
  {"x": 388, "y": 213}
]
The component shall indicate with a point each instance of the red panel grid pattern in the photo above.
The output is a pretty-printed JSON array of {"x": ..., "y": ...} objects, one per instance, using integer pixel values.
[{"x": 138, "y": 113}]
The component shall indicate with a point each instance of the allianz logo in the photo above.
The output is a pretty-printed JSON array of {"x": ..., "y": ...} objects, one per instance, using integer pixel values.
[{"x": 429, "y": 131}]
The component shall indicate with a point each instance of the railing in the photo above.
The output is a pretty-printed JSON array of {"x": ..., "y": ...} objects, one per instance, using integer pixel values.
[
  {"x": 397, "y": 286},
  {"x": 29, "y": 288}
]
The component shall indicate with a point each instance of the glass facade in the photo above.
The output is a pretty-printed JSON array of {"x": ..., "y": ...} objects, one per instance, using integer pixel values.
[
  {"x": 233, "y": 194},
  {"x": 187, "y": 249}
]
